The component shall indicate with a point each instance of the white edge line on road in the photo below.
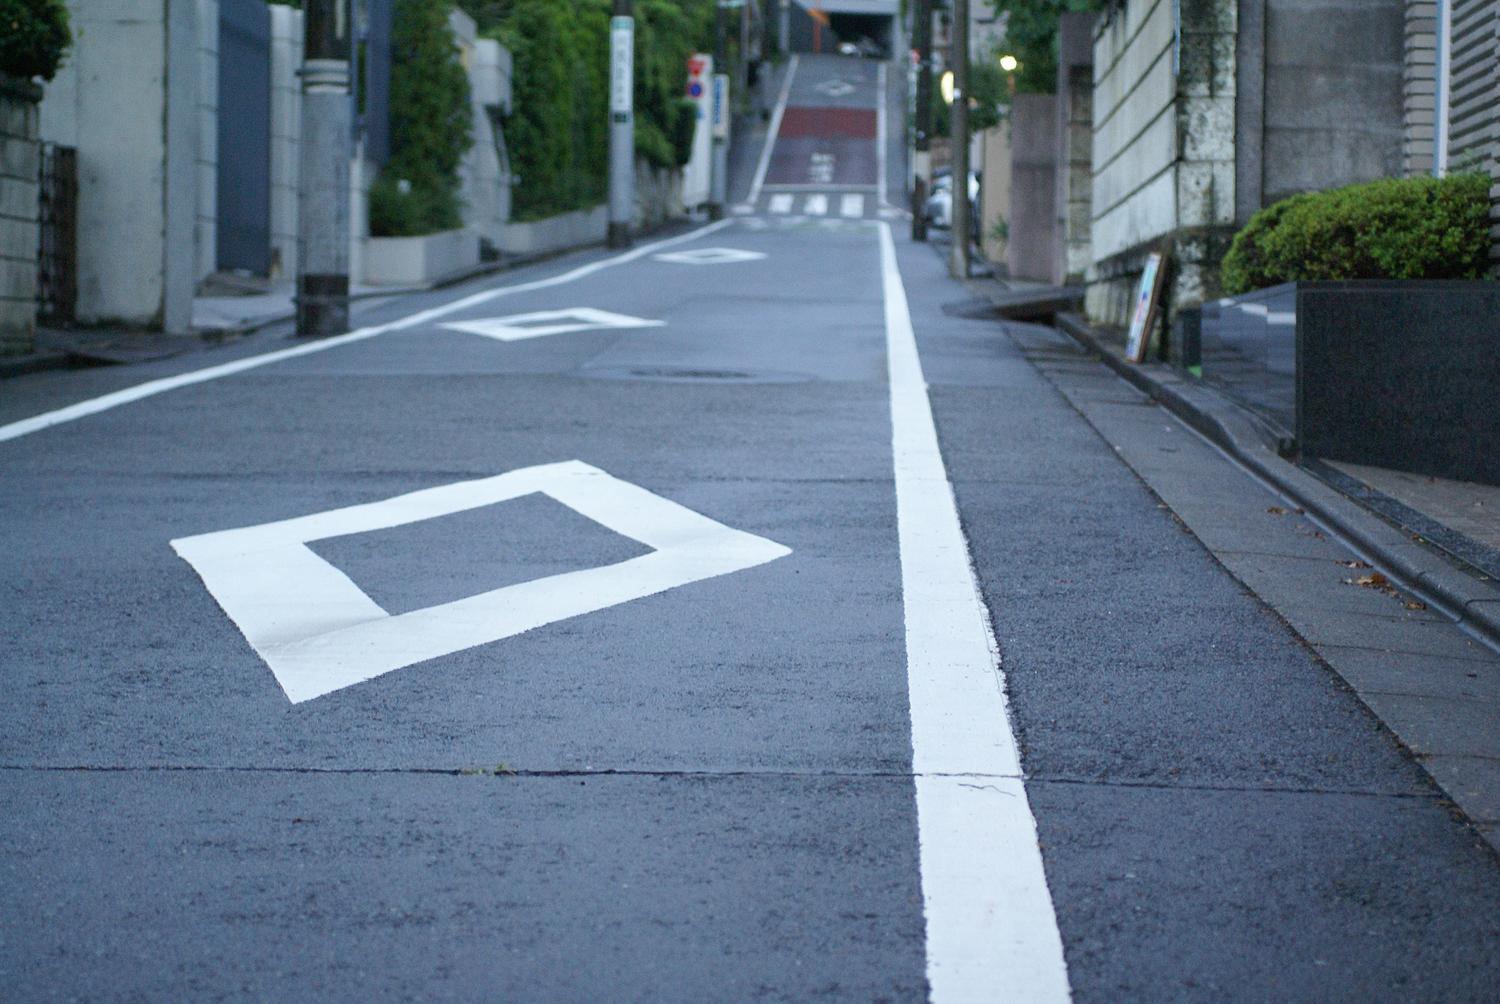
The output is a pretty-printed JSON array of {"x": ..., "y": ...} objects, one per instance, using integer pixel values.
[
  {"x": 991, "y": 929},
  {"x": 151, "y": 388},
  {"x": 880, "y": 136},
  {"x": 771, "y": 132}
]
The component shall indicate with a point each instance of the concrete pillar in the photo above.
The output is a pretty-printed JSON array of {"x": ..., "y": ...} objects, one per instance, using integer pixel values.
[{"x": 1033, "y": 187}]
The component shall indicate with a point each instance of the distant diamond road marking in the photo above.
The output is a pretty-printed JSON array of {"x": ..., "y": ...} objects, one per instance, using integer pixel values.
[
  {"x": 541, "y": 323},
  {"x": 709, "y": 256},
  {"x": 319, "y": 632},
  {"x": 835, "y": 88}
]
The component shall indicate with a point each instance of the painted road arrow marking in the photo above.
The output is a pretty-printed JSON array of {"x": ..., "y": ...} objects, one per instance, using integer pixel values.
[
  {"x": 709, "y": 256},
  {"x": 541, "y": 323},
  {"x": 319, "y": 632}
]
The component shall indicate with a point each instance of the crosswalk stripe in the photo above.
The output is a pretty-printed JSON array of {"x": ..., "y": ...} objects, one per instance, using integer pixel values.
[
  {"x": 816, "y": 205},
  {"x": 781, "y": 203},
  {"x": 852, "y": 205}
]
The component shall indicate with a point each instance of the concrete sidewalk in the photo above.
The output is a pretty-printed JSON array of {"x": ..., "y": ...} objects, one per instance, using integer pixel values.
[{"x": 1436, "y": 688}]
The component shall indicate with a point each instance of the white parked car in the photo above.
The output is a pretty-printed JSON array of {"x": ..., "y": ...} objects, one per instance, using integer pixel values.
[{"x": 939, "y": 207}]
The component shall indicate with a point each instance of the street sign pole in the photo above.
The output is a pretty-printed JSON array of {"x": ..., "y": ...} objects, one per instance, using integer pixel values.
[
  {"x": 323, "y": 195},
  {"x": 621, "y": 124},
  {"x": 717, "y": 183},
  {"x": 922, "y": 12},
  {"x": 959, "y": 265}
]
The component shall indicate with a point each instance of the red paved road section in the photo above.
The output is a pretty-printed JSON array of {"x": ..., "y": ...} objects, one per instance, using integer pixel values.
[
  {"x": 833, "y": 123},
  {"x": 809, "y": 135}
]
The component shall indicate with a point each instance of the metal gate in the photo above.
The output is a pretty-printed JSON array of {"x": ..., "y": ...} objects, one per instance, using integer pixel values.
[
  {"x": 244, "y": 182},
  {"x": 57, "y": 245}
]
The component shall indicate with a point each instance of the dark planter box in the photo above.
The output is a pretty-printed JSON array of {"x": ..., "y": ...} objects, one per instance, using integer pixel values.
[{"x": 1402, "y": 374}]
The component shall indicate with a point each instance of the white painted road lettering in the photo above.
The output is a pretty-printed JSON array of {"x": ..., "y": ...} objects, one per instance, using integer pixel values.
[{"x": 319, "y": 632}]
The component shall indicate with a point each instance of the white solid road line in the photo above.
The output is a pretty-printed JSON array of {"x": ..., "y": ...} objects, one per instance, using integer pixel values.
[
  {"x": 816, "y": 205},
  {"x": 151, "y": 388},
  {"x": 781, "y": 202},
  {"x": 991, "y": 930},
  {"x": 772, "y": 131},
  {"x": 852, "y": 205}
]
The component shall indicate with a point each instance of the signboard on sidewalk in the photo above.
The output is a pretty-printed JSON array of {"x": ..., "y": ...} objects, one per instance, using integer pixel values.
[
  {"x": 1143, "y": 317},
  {"x": 621, "y": 66}
]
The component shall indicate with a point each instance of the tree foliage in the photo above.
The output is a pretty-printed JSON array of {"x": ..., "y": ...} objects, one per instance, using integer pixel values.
[
  {"x": 558, "y": 133},
  {"x": 34, "y": 37},
  {"x": 1031, "y": 36},
  {"x": 431, "y": 126}
]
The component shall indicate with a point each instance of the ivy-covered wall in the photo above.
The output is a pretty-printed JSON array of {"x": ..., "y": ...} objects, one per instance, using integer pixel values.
[{"x": 557, "y": 137}]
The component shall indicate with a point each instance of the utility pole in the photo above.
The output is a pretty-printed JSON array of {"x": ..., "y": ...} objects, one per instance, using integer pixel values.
[
  {"x": 718, "y": 95},
  {"x": 922, "y": 141},
  {"x": 784, "y": 27},
  {"x": 621, "y": 124},
  {"x": 959, "y": 265},
  {"x": 323, "y": 196}
]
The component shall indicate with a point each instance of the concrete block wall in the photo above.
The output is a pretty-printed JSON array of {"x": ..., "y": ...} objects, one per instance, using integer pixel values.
[
  {"x": 1164, "y": 121},
  {"x": 286, "y": 130},
  {"x": 1075, "y": 132},
  {"x": 18, "y": 215},
  {"x": 1334, "y": 99},
  {"x": 1031, "y": 253},
  {"x": 994, "y": 190},
  {"x": 127, "y": 99},
  {"x": 1418, "y": 86}
]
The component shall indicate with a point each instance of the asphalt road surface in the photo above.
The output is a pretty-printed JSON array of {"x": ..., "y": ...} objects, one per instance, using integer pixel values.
[{"x": 637, "y": 627}]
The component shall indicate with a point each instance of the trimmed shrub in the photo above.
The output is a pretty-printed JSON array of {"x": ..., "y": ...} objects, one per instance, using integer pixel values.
[
  {"x": 33, "y": 37},
  {"x": 1396, "y": 228},
  {"x": 417, "y": 192}
]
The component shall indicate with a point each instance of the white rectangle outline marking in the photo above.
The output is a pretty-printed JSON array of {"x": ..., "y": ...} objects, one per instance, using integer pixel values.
[
  {"x": 319, "y": 632},
  {"x": 991, "y": 929},
  {"x": 151, "y": 388}
]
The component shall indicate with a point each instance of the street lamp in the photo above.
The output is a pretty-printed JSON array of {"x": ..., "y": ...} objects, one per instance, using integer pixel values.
[
  {"x": 945, "y": 87},
  {"x": 1008, "y": 63}
]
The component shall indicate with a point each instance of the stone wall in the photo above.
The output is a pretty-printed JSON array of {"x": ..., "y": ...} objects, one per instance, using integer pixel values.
[
  {"x": 18, "y": 214},
  {"x": 1075, "y": 124},
  {"x": 1164, "y": 148},
  {"x": 1333, "y": 98}
]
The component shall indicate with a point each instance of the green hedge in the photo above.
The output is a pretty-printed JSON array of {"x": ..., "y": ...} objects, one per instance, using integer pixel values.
[
  {"x": 33, "y": 37},
  {"x": 558, "y": 134},
  {"x": 417, "y": 192},
  {"x": 1397, "y": 228}
]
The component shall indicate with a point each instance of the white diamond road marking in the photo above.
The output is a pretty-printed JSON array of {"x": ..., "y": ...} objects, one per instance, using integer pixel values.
[
  {"x": 836, "y": 88},
  {"x": 319, "y": 632},
  {"x": 781, "y": 202},
  {"x": 852, "y": 204},
  {"x": 541, "y": 323},
  {"x": 709, "y": 256}
]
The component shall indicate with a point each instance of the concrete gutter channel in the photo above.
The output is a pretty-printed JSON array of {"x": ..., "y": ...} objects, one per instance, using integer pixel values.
[{"x": 1420, "y": 569}]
